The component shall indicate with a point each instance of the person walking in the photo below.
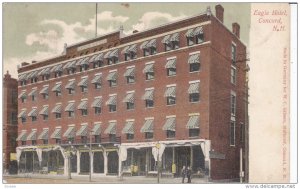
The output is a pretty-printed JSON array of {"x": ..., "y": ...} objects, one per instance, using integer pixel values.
[
  {"x": 183, "y": 173},
  {"x": 189, "y": 174}
]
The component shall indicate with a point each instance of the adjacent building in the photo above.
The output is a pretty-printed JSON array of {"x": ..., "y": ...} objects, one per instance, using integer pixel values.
[{"x": 174, "y": 93}]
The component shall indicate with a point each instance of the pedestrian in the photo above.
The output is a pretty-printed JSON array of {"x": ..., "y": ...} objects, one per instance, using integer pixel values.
[
  {"x": 189, "y": 174},
  {"x": 183, "y": 173}
]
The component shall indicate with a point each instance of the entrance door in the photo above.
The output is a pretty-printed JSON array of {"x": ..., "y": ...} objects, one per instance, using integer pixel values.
[
  {"x": 183, "y": 155},
  {"x": 98, "y": 162},
  {"x": 73, "y": 163},
  {"x": 112, "y": 162},
  {"x": 84, "y": 162}
]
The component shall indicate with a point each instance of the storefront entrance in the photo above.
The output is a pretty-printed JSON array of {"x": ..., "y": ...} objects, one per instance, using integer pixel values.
[
  {"x": 112, "y": 163},
  {"x": 98, "y": 163},
  {"x": 84, "y": 162}
]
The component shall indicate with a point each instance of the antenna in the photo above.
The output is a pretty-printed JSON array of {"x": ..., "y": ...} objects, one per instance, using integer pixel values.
[{"x": 96, "y": 20}]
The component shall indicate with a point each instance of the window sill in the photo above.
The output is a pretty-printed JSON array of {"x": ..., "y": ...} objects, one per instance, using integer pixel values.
[
  {"x": 149, "y": 107},
  {"x": 195, "y": 71},
  {"x": 171, "y": 105},
  {"x": 130, "y": 109},
  {"x": 130, "y": 83},
  {"x": 171, "y": 75},
  {"x": 195, "y": 102},
  {"x": 193, "y": 137},
  {"x": 149, "y": 80}
]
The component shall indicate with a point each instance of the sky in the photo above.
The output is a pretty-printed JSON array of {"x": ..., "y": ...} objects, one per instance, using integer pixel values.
[{"x": 37, "y": 31}]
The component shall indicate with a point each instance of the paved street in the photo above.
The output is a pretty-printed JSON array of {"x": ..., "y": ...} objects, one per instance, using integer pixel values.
[{"x": 84, "y": 179}]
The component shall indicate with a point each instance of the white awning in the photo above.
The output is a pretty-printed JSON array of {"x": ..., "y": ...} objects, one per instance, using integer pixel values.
[
  {"x": 149, "y": 68},
  {"x": 129, "y": 98},
  {"x": 128, "y": 129},
  {"x": 170, "y": 124},
  {"x": 97, "y": 79},
  {"x": 82, "y": 131},
  {"x": 56, "y": 109},
  {"x": 70, "y": 85},
  {"x": 22, "y": 94},
  {"x": 194, "y": 122},
  {"x": 170, "y": 92},
  {"x": 83, "y": 105},
  {"x": 83, "y": 82},
  {"x": 174, "y": 37},
  {"x": 129, "y": 72},
  {"x": 57, "y": 87},
  {"x": 112, "y": 76},
  {"x": 198, "y": 30},
  {"x": 97, "y": 103},
  {"x": 107, "y": 54},
  {"x": 148, "y": 126},
  {"x": 45, "y": 90},
  {"x": 195, "y": 58},
  {"x": 32, "y": 135},
  {"x": 166, "y": 39},
  {"x": 112, "y": 100},
  {"x": 111, "y": 129},
  {"x": 144, "y": 45},
  {"x": 125, "y": 50},
  {"x": 70, "y": 107},
  {"x": 148, "y": 95},
  {"x": 22, "y": 136},
  {"x": 114, "y": 53},
  {"x": 190, "y": 33},
  {"x": 70, "y": 132},
  {"x": 32, "y": 113},
  {"x": 132, "y": 48},
  {"x": 171, "y": 63},
  {"x": 56, "y": 134},
  {"x": 44, "y": 135},
  {"x": 22, "y": 114},
  {"x": 44, "y": 111},
  {"x": 32, "y": 92},
  {"x": 152, "y": 43},
  {"x": 194, "y": 88},
  {"x": 96, "y": 129}
]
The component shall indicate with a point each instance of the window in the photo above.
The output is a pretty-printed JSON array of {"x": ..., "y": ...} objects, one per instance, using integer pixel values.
[
  {"x": 149, "y": 75},
  {"x": 148, "y": 135},
  {"x": 199, "y": 38},
  {"x": 45, "y": 141},
  {"x": 84, "y": 88},
  {"x": 112, "y": 60},
  {"x": 97, "y": 85},
  {"x": 149, "y": 103},
  {"x": 23, "y": 82},
  {"x": 194, "y": 61},
  {"x": 170, "y": 134},
  {"x": 71, "y": 91},
  {"x": 112, "y": 83},
  {"x": 190, "y": 41},
  {"x": 45, "y": 117},
  {"x": 58, "y": 74},
  {"x": 194, "y": 94},
  {"x": 84, "y": 112},
  {"x": 97, "y": 64},
  {"x": 194, "y": 97},
  {"x": 71, "y": 71},
  {"x": 194, "y": 132},
  {"x": 112, "y": 108},
  {"x": 130, "y": 79},
  {"x": 171, "y": 71},
  {"x": 233, "y": 104},
  {"x": 23, "y": 119},
  {"x": 23, "y": 143},
  {"x": 146, "y": 52},
  {"x": 130, "y": 105},
  {"x": 233, "y": 75},
  {"x": 23, "y": 99},
  {"x": 129, "y": 136},
  {"x": 112, "y": 137},
  {"x": 97, "y": 139},
  {"x": 45, "y": 77},
  {"x": 33, "y": 118},
  {"x": 194, "y": 67},
  {"x": 232, "y": 133},
  {"x": 152, "y": 50},
  {"x": 45, "y": 95},
  {"x": 83, "y": 67},
  {"x": 71, "y": 114},
  {"x": 83, "y": 139},
  {"x": 33, "y": 97},
  {"x": 171, "y": 100},
  {"x": 57, "y": 93},
  {"x": 57, "y": 115},
  {"x": 97, "y": 110},
  {"x": 233, "y": 54},
  {"x": 33, "y": 142},
  {"x": 58, "y": 141},
  {"x": 34, "y": 80}
]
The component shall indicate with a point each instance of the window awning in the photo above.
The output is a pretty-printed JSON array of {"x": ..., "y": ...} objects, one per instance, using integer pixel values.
[
  {"x": 111, "y": 129},
  {"x": 70, "y": 85},
  {"x": 57, "y": 68},
  {"x": 32, "y": 135},
  {"x": 83, "y": 82},
  {"x": 99, "y": 57},
  {"x": 195, "y": 58},
  {"x": 152, "y": 43},
  {"x": 149, "y": 68},
  {"x": 129, "y": 72},
  {"x": 22, "y": 136},
  {"x": 22, "y": 94},
  {"x": 125, "y": 50},
  {"x": 170, "y": 92},
  {"x": 128, "y": 129},
  {"x": 190, "y": 33},
  {"x": 132, "y": 48},
  {"x": 44, "y": 135},
  {"x": 96, "y": 129},
  {"x": 97, "y": 103},
  {"x": 41, "y": 72},
  {"x": 144, "y": 45},
  {"x": 47, "y": 71},
  {"x": 56, "y": 134},
  {"x": 32, "y": 74},
  {"x": 32, "y": 92},
  {"x": 97, "y": 79},
  {"x": 112, "y": 100},
  {"x": 112, "y": 76},
  {"x": 107, "y": 54},
  {"x": 22, "y": 114},
  {"x": 194, "y": 88},
  {"x": 70, "y": 132},
  {"x": 148, "y": 95},
  {"x": 198, "y": 30},
  {"x": 171, "y": 63},
  {"x": 82, "y": 105},
  {"x": 78, "y": 62},
  {"x": 22, "y": 77},
  {"x": 32, "y": 113},
  {"x": 71, "y": 64},
  {"x": 82, "y": 131},
  {"x": 57, "y": 88},
  {"x": 44, "y": 111},
  {"x": 174, "y": 37},
  {"x": 114, "y": 53},
  {"x": 166, "y": 39},
  {"x": 92, "y": 58},
  {"x": 129, "y": 98},
  {"x": 45, "y": 90},
  {"x": 85, "y": 61},
  {"x": 170, "y": 124},
  {"x": 56, "y": 109},
  {"x": 70, "y": 107},
  {"x": 148, "y": 126},
  {"x": 194, "y": 122}
]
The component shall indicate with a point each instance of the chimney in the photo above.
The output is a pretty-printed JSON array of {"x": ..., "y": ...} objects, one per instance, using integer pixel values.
[
  {"x": 236, "y": 29},
  {"x": 220, "y": 12},
  {"x": 24, "y": 64}
]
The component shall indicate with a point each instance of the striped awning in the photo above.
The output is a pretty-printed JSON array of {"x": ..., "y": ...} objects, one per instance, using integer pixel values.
[
  {"x": 133, "y": 48},
  {"x": 78, "y": 62},
  {"x": 129, "y": 72},
  {"x": 57, "y": 68},
  {"x": 82, "y": 131},
  {"x": 194, "y": 88},
  {"x": 129, "y": 98},
  {"x": 70, "y": 132},
  {"x": 144, "y": 45},
  {"x": 70, "y": 85},
  {"x": 32, "y": 113},
  {"x": 83, "y": 105},
  {"x": 171, "y": 63},
  {"x": 85, "y": 61},
  {"x": 32, "y": 92},
  {"x": 125, "y": 50},
  {"x": 128, "y": 129},
  {"x": 194, "y": 58},
  {"x": 32, "y": 135},
  {"x": 41, "y": 72},
  {"x": 45, "y": 90},
  {"x": 166, "y": 39},
  {"x": 22, "y": 77},
  {"x": 92, "y": 58},
  {"x": 198, "y": 30},
  {"x": 99, "y": 57},
  {"x": 97, "y": 79},
  {"x": 44, "y": 134},
  {"x": 96, "y": 129},
  {"x": 56, "y": 134},
  {"x": 170, "y": 124},
  {"x": 170, "y": 92},
  {"x": 44, "y": 111},
  {"x": 22, "y": 94},
  {"x": 97, "y": 103},
  {"x": 114, "y": 53},
  {"x": 22, "y": 136},
  {"x": 152, "y": 43},
  {"x": 70, "y": 107},
  {"x": 190, "y": 33},
  {"x": 107, "y": 54},
  {"x": 148, "y": 95},
  {"x": 112, "y": 100},
  {"x": 71, "y": 64},
  {"x": 194, "y": 122},
  {"x": 56, "y": 109},
  {"x": 83, "y": 82},
  {"x": 174, "y": 37},
  {"x": 149, "y": 68},
  {"x": 47, "y": 71},
  {"x": 57, "y": 87},
  {"x": 111, "y": 129},
  {"x": 112, "y": 76},
  {"x": 33, "y": 74},
  {"x": 148, "y": 126},
  {"x": 22, "y": 114}
]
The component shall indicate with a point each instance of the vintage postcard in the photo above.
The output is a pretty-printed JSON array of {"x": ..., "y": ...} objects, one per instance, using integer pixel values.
[{"x": 148, "y": 93}]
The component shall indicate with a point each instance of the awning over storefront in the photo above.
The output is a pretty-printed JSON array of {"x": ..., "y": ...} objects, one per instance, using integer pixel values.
[
  {"x": 32, "y": 113},
  {"x": 112, "y": 100},
  {"x": 70, "y": 85},
  {"x": 170, "y": 124},
  {"x": 194, "y": 88},
  {"x": 129, "y": 98},
  {"x": 111, "y": 129},
  {"x": 56, "y": 109},
  {"x": 170, "y": 92},
  {"x": 56, "y": 134},
  {"x": 129, "y": 72},
  {"x": 148, "y": 126},
  {"x": 97, "y": 103},
  {"x": 96, "y": 129},
  {"x": 148, "y": 94},
  {"x": 44, "y": 134},
  {"x": 194, "y": 122},
  {"x": 32, "y": 135},
  {"x": 45, "y": 90},
  {"x": 70, "y": 107},
  {"x": 22, "y": 114},
  {"x": 97, "y": 79},
  {"x": 112, "y": 76},
  {"x": 44, "y": 111},
  {"x": 22, "y": 136},
  {"x": 171, "y": 63},
  {"x": 82, "y": 131},
  {"x": 70, "y": 132},
  {"x": 194, "y": 58},
  {"x": 22, "y": 94},
  {"x": 149, "y": 68},
  {"x": 57, "y": 87},
  {"x": 128, "y": 129},
  {"x": 83, "y": 105},
  {"x": 83, "y": 82}
]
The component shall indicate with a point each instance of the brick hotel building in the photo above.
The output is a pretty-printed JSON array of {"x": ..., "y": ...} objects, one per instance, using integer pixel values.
[{"x": 174, "y": 93}]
